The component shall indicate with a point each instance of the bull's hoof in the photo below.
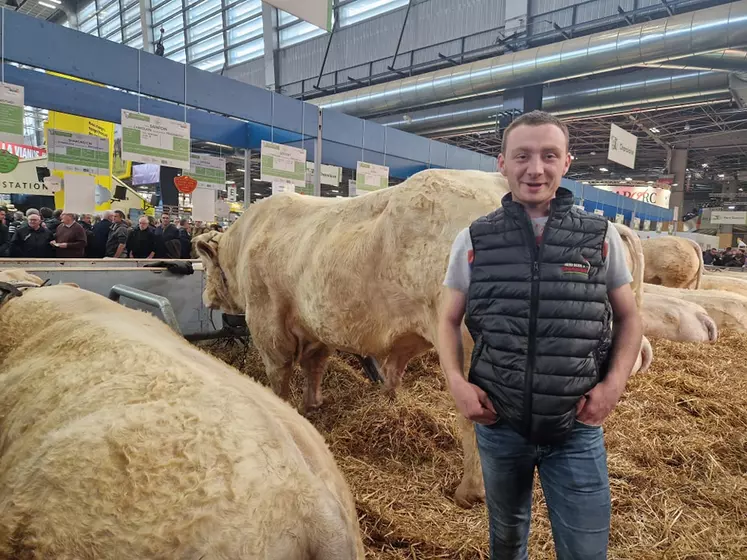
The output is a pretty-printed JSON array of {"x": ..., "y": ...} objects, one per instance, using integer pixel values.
[
  {"x": 390, "y": 393},
  {"x": 312, "y": 407},
  {"x": 466, "y": 497}
]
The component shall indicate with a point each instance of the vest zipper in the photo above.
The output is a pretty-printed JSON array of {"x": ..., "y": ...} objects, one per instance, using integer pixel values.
[{"x": 533, "y": 310}]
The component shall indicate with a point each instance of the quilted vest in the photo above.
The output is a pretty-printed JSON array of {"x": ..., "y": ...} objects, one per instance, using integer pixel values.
[{"x": 539, "y": 315}]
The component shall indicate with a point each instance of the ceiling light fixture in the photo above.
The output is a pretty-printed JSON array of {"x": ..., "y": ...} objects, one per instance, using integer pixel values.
[
  {"x": 603, "y": 169},
  {"x": 705, "y": 165},
  {"x": 592, "y": 153},
  {"x": 52, "y": 6},
  {"x": 628, "y": 178},
  {"x": 655, "y": 130},
  {"x": 732, "y": 207},
  {"x": 721, "y": 175}
]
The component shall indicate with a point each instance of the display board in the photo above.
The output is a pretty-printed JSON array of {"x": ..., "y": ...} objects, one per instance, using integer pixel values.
[
  {"x": 209, "y": 171},
  {"x": 623, "y": 146},
  {"x": 68, "y": 151},
  {"x": 282, "y": 163},
  {"x": 11, "y": 113},
  {"x": 371, "y": 177},
  {"x": 151, "y": 139}
]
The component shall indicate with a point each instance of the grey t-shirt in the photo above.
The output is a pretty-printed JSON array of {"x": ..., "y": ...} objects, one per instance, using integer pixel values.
[{"x": 459, "y": 272}]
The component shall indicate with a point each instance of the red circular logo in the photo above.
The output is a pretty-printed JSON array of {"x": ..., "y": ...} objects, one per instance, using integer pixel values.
[{"x": 185, "y": 184}]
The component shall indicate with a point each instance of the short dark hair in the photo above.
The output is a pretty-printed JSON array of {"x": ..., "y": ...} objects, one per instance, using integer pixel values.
[
  {"x": 536, "y": 118},
  {"x": 120, "y": 214}
]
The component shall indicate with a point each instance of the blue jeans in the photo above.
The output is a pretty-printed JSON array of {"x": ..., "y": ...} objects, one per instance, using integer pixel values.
[{"x": 575, "y": 483}]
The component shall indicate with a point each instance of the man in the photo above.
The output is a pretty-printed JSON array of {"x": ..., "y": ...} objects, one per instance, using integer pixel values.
[
  {"x": 538, "y": 283},
  {"x": 4, "y": 234},
  {"x": 141, "y": 243},
  {"x": 185, "y": 238},
  {"x": 101, "y": 234},
  {"x": 31, "y": 240},
  {"x": 167, "y": 239},
  {"x": 117, "y": 240},
  {"x": 70, "y": 239}
]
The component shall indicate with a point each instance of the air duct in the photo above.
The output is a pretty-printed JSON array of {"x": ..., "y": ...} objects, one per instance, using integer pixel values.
[
  {"x": 603, "y": 93},
  {"x": 727, "y": 60},
  {"x": 720, "y": 27}
]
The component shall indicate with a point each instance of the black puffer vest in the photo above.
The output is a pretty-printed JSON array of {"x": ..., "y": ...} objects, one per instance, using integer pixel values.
[{"x": 540, "y": 316}]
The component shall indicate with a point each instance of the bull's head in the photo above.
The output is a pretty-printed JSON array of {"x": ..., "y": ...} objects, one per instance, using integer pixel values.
[{"x": 219, "y": 284}]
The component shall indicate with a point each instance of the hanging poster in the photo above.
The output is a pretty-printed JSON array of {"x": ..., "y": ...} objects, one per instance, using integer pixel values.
[
  {"x": 210, "y": 171},
  {"x": 623, "y": 146},
  {"x": 203, "y": 205},
  {"x": 282, "y": 186},
  {"x": 371, "y": 177},
  {"x": 282, "y": 163},
  {"x": 11, "y": 113},
  {"x": 68, "y": 151},
  {"x": 80, "y": 193},
  {"x": 619, "y": 218},
  {"x": 151, "y": 139}
]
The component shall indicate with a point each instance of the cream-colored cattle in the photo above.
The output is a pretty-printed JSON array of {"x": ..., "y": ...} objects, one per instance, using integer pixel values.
[
  {"x": 675, "y": 262},
  {"x": 725, "y": 283},
  {"x": 363, "y": 275},
  {"x": 120, "y": 440},
  {"x": 634, "y": 259},
  {"x": 727, "y": 309},
  {"x": 676, "y": 319}
]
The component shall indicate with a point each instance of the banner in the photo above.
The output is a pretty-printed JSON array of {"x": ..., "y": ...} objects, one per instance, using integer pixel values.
[
  {"x": 24, "y": 180},
  {"x": 649, "y": 194},
  {"x": 622, "y": 147},
  {"x": 725, "y": 217},
  {"x": 11, "y": 113},
  {"x": 151, "y": 139},
  {"x": 23, "y": 151},
  {"x": 282, "y": 163}
]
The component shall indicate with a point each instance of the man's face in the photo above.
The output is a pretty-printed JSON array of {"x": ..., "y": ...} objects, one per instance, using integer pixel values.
[
  {"x": 2, "y": 215},
  {"x": 66, "y": 219},
  {"x": 143, "y": 223},
  {"x": 165, "y": 220},
  {"x": 116, "y": 218},
  {"x": 535, "y": 160},
  {"x": 87, "y": 218},
  {"x": 34, "y": 221}
]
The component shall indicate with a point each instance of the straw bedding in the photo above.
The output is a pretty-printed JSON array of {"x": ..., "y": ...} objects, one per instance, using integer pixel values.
[{"x": 677, "y": 456}]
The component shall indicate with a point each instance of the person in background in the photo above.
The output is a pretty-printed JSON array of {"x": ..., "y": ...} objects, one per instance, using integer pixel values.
[
  {"x": 141, "y": 243},
  {"x": 85, "y": 222},
  {"x": 185, "y": 238},
  {"x": 117, "y": 240},
  {"x": 15, "y": 223},
  {"x": 49, "y": 220},
  {"x": 70, "y": 239},
  {"x": 31, "y": 240},
  {"x": 710, "y": 255},
  {"x": 101, "y": 234},
  {"x": 4, "y": 234},
  {"x": 167, "y": 239}
]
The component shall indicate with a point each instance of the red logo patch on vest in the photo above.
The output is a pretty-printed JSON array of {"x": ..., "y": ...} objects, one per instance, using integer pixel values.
[
  {"x": 576, "y": 268},
  {"x": 605, "y": 249},
  {"x": 470, "y": 256}
]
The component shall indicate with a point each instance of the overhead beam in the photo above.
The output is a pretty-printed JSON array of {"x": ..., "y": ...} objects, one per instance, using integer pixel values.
[{"x": 725, "y": 139}]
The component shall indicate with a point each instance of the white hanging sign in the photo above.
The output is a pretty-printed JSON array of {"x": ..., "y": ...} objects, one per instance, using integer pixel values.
[
  {"x": 208, "y": 171},
  {"x": 282, "y": 163},
  {"x": 623, "y": 146},
  {"x": 371, "y": 177},
  {"x": 151, "y": 139},
  {"x": 70, "y": 151},
  {"x": 11, "y": 113},
  {"x": 282, "y": 186},
  {"x": 328, "y": 174},
  {"x": 231, "y": 189}
]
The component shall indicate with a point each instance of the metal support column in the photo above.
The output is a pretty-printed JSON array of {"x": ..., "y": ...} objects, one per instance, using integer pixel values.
[
  {"x": 247, "y": 178},
  {"x": 679, "y": 168},
  {"x": 270, "y": 35},
  {"x": 318, "y": 157},
  {"x": 146, "y": 26}
]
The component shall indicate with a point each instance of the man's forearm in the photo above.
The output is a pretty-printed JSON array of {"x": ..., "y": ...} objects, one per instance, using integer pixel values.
[
  {"x": 451, "y": 350},
  {"x": 625, "y": 349}
]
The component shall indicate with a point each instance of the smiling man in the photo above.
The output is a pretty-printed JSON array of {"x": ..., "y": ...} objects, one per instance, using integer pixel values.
[{"x": 542, "y": 286}]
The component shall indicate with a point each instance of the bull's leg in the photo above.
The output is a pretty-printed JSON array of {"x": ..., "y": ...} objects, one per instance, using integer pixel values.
[
  {"x": 277, "y": 350},
  {"x": 393, "y": 366},
  {"x": 471, "y": 489},
  {"x": 313, "y": 363}
]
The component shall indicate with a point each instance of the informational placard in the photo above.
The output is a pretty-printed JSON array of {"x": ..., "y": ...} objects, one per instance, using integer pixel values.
[
  {"x": 68, "y": 151},
  {"x": 316, "y": 12},
  {"x": 231, "y": 189},
  {"x": 658, "y": 227},
  {"x": 24, "y": 180},
  {"x": 11, "y": 113},
  {"x": 619, "y": 218},
  {"x": 328, "y": 174},
  {"x": 151, "y": 139},
  {"x": 282, "y": 186},
  {"x": 371, "y": 177},
  {"x": 80, "y": 193},
  {"x": 203, "y": 205},
  {"x": 646, "y": 225},
  {"x": 210, "y": 171},
  {"x": 623, "y": 146},
  {"x": 635, "y": 223},
  {"x": 599, "y": 211},
  {"x": 282, "y": 163},
  {"x": 352, "y": 188},
  {"x": 725, "y": 217}
]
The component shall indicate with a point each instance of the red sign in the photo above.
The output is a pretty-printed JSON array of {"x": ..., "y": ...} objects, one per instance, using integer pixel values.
[
  {"x": 185, "y": 184},
  {"x": 23, "y": 151}
]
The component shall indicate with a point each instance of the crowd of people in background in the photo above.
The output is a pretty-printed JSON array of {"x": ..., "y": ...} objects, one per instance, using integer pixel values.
[
  {"x": 45, "y": 233},
  {"x": 729, "y": 257}
]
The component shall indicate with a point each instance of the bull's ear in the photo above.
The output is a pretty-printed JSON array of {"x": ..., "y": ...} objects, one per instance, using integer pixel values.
[{"x": 206, "y": 252}]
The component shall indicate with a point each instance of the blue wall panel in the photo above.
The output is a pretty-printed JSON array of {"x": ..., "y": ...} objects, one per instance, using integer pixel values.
[{"x": 437, "y": 154}]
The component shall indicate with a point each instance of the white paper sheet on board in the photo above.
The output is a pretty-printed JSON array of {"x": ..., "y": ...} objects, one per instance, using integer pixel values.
[
  {"x": 80, "y": 193},
  {"x": 203, "y": 205}
]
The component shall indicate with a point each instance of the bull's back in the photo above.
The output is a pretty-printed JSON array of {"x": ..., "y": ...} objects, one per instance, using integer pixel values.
[
  {"x": 123, "y": 436},
  {"x": 358, "y": 273}
]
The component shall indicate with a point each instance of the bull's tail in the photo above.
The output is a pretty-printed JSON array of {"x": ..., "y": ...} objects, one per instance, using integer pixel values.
[
  {"x": 701, "y": 265},
  {"x": 710, "y": 326},
  {"x": 635, "y": 249}
]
